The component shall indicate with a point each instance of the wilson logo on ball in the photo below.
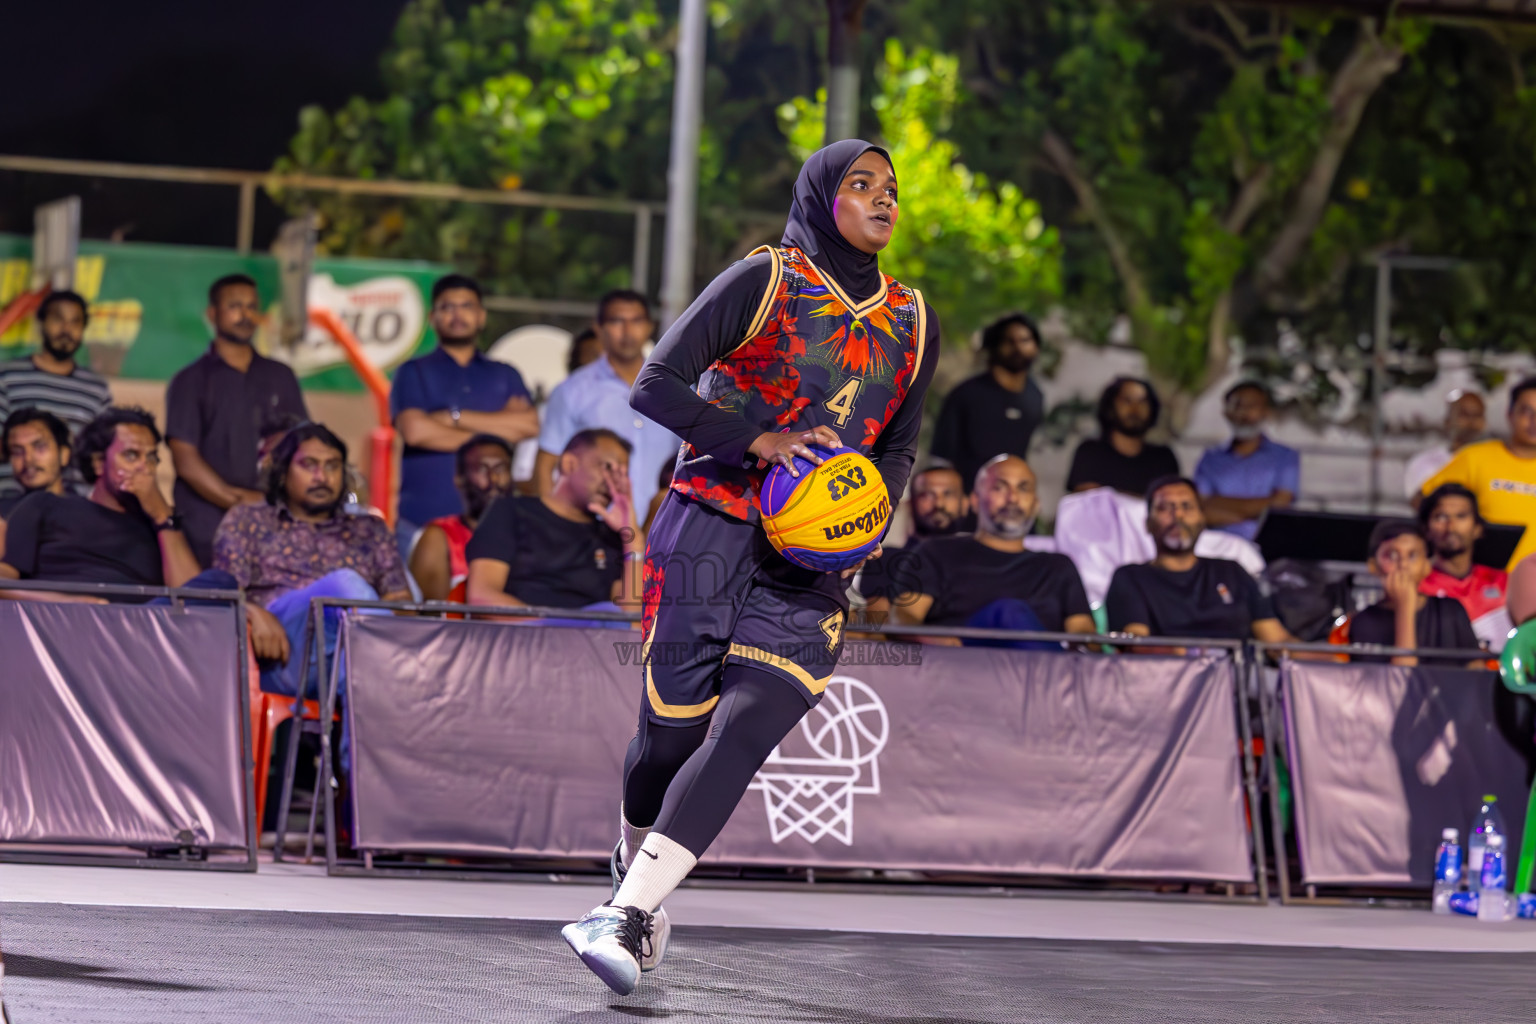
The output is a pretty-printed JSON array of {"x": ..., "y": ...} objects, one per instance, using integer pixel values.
[{"x": 869, "y": 522}]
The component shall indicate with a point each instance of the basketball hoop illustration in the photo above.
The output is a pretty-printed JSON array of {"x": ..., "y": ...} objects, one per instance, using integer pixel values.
[{"x": 811, "y": 795}]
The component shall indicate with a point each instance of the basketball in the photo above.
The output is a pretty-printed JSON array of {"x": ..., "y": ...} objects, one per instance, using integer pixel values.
[{"x": 831, "y": 516}]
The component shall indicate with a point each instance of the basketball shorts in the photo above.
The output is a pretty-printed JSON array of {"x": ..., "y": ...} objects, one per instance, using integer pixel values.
[{"x": 715, "y": 592}]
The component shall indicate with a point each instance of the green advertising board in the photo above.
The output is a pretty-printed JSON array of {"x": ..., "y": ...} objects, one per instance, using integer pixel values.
[{"x": 148, "y": 301}]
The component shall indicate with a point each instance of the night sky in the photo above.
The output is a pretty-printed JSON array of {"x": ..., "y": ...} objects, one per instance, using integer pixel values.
[{"x": 194, "y": 82}]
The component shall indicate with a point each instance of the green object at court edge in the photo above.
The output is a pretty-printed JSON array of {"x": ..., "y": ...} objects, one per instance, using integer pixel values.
[{"x": 1515, "y": 669}]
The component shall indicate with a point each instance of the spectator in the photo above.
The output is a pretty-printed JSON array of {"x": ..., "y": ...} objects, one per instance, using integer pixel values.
[
  {"x": 37, "y": 450},
  {"x": 52, "y": 381},
  {"x": 1451, "y": 521},
  {"x": 1405, "y": 617},
  {"x": 1179, "y": 594},
  {"x": 1250, "y": 475},
  {"x": 576, "y": 548},
  {"x": 483, "y": 473},
  {"x": 1120, "y": 457},
  {"x": 997, "y": 411},
  {"x": 1466, "y": 418},
  {"x": 586, "y": 347},
  {"x": 988, "y": 579},
  {"x": 597, "y": 395},
  {"x": 124, "y": 533},
  {"x": 214, "y": 410},
  {"x": 299, "y": 544},
  {"x": 444, "y": 398},
  {"x": 1503, "y": 473},
  {"x": 939, "y": 509}
]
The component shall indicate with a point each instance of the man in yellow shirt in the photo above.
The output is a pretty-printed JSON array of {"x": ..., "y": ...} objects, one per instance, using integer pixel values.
[{"x": 1503, "y": 473}]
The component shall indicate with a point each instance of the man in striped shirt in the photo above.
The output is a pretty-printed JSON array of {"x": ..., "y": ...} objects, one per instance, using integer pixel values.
[{"x": 51, "y": 380}]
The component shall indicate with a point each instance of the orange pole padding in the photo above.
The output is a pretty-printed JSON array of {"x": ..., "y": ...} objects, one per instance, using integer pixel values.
[
  {"x": 381, "y": 457},
  {"x": 21, "y": 307}
]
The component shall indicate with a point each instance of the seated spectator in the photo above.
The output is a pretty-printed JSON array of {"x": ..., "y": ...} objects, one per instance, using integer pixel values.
[
  {"x": 482, "y": 474},
  {"x": 1503, "y": 473},
  {"x": 126, "y": 532},
  {"x": 37, "y": 449},
  {"x": 1405, "y": 617},
  {"x": 1450, "y": 518},
  {"x": 995, "y": 412},
  {"x": 988, "y": 579},
  {"x": 1120, "y": 456},
  {"x": 1252, "y": 474},
  {"x": 576, "y": 548},
  {"x": 1466, "y": 418},
  {"x": 1180, "y": 594},
  {"x": 299, "y": 544},
  {"x": 597, "y": 396},
  {"x": 939, "y": 509},
  {"x": 586, "y": 347}
]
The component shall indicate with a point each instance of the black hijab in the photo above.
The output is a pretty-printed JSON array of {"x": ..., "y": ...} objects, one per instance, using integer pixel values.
[{"x": 813, "y": 228}]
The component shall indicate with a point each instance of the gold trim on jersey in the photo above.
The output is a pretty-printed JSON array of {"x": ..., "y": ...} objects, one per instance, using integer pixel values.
[
  {"x": 922, "y": 335},
  {"x": 765, "y": 305},
  {"x": 816, "y": 686}
]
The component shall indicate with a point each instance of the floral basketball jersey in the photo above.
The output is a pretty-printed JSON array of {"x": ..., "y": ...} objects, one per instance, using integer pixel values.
[{"x": 811, "y": 357}]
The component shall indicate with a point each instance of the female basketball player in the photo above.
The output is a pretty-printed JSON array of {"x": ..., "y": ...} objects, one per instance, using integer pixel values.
[{"x": 802, "y": 344}]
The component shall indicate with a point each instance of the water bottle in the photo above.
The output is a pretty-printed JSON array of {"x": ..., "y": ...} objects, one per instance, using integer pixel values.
[
  {"x": 1463, "y": 903},
  {"x": 1487, "y": 822},
  {"x": 1447, "y": 870},
  {"x": 1492, "y": 904}
]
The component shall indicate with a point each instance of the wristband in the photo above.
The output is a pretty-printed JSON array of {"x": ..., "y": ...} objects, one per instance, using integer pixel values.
[{"x": 172, "y": 522}]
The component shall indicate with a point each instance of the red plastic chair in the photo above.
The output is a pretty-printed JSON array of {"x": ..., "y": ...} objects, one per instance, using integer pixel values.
[{"x": 268, "y": 711}]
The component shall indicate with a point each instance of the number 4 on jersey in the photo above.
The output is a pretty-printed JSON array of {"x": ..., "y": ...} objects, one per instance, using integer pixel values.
[{"x": 841, "y": 404}]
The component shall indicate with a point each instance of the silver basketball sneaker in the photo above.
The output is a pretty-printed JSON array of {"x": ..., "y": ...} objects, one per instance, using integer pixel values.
[{"x": 661, "y": 925}]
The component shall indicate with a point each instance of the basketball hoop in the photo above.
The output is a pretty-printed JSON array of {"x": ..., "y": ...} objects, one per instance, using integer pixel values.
[{"x": 812, "y": 796}]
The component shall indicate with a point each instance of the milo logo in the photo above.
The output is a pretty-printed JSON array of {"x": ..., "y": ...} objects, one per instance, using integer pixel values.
[{"x": 867, "y": 523}]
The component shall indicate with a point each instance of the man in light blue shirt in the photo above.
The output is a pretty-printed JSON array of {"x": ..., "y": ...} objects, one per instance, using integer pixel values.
[
  {"x": 1241, "y": 481},
  {"x": 597, "y": 395}
]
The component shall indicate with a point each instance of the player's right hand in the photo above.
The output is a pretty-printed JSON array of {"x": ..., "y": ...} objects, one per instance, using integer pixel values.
[{"x": 783, "y": 449}]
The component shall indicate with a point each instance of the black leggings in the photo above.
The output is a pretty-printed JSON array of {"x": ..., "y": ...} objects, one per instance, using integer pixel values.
[{"x": 684, "y": 782}]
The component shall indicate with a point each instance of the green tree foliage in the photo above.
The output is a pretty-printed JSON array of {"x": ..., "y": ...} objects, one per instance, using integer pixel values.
[
  {"x": 1221, "y": 170},
  {"x": 569, "y": 96},
  {"x": 975, "y": 249}
]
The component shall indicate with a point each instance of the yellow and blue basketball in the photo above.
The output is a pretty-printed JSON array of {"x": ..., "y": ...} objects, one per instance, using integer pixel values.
[{"x": 831, "y": 516}]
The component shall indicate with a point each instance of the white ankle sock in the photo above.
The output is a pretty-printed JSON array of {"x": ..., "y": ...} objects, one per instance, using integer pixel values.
[
  {"x": 632, "y": 837},
  {"x": 660, "y": 867}
]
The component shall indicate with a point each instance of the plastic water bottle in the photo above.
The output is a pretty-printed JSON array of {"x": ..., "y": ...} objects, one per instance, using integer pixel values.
[
  {"x": 1487, "y": 822},
  {"x": 1463, "y": 903},
  {"x": 1447, "y": 870},
  {"x": 1493, "y": 901}
]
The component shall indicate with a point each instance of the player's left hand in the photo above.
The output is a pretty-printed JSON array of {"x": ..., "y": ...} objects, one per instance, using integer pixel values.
[{"x": 849, "y": 572}]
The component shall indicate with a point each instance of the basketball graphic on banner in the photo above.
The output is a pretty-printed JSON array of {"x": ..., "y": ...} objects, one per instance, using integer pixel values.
[
  {"x": 812, "y": 797},
  {"x": 831, "y": 516}
]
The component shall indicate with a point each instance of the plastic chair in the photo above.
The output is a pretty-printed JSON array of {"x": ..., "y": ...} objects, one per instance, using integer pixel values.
[{"x": 268, "y": 711}]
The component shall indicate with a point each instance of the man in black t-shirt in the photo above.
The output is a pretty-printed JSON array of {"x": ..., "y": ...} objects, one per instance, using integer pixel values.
[
  {"x": 577, "y": 548},
  {"x": 939, "y": 509},
  {"x": 1404, "y": 617},
  {"x": 996, "y": 412},
  {"x": 1120, "y": 456},
  {"x": 35, "y": 443},
  {"x": 125, "y": 532},
  {"x": 988, "y": 579},
  {"x": 1178, "y": 594}
]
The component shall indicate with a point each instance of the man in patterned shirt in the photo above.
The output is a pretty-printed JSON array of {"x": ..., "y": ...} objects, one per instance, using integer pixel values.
[{"x": 300, "y": 545}]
